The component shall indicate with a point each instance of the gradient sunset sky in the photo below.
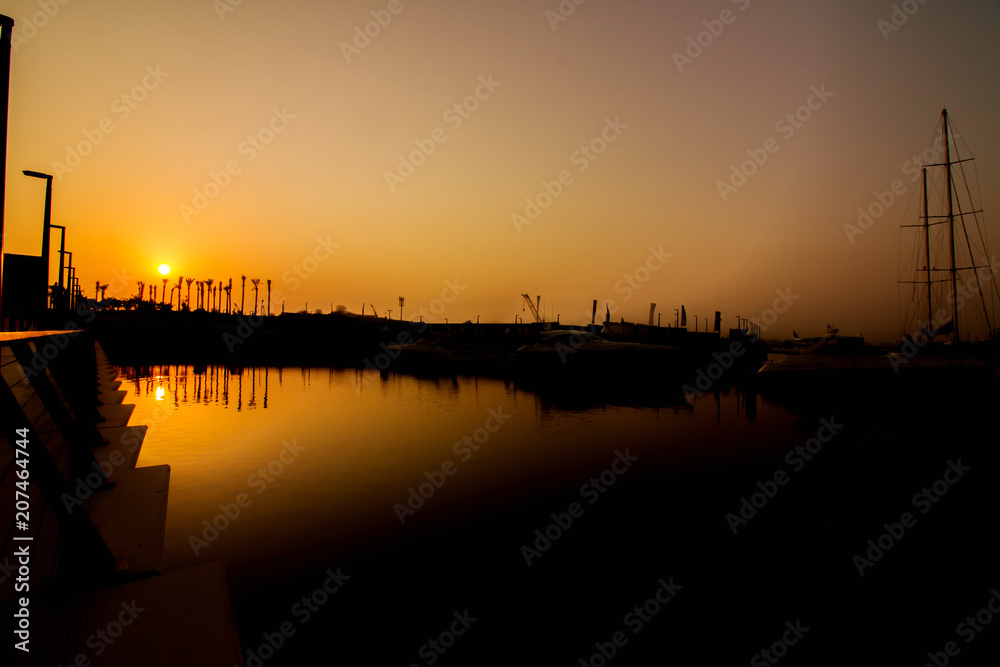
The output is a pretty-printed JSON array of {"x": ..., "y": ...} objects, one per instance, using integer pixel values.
[{"x": 134, "y": 106}]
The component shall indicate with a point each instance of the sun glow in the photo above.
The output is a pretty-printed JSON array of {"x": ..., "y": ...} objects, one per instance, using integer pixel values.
[{"x": 164, "y": 269}]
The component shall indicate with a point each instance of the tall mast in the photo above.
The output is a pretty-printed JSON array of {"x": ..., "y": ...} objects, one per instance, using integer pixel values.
[
  {"x": 927, "y": 252},
  {"x": 951, "y": 227}
]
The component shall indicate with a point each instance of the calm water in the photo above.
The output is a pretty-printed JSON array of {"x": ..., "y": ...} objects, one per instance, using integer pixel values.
[{"x": 424, "y": 497}]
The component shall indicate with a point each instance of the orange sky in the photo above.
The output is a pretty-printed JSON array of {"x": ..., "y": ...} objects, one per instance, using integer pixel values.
[{"x": 248, "y": 139}]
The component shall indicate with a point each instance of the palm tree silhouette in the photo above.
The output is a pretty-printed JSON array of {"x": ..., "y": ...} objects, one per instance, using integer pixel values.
[
  {"x": 208, "y": 289},
  {"x": 229, "y": 297},
  {"x": 142, "y": 288},
  {"x": 269, "y": 296},
  {"x": 180, "y": 282},
  {"x": 103, "y": 289},
  {"x": 243, "y": 292},
  {"x": 256, "y": 282},
  {"x": 189, "y": 281},
  {"x": 163, "y": 296}
]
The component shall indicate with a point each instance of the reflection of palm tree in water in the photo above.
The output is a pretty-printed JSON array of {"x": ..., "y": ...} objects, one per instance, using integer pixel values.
[{"x": 252, "y": 403}]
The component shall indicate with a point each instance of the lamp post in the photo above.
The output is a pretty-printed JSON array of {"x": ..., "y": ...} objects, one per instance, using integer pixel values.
[
  {"x": 70, "y": 275},
  {"x": 46, "y": 222},
  {"x": 62, "y": 263},
  {"x": 6, "y": 28}
]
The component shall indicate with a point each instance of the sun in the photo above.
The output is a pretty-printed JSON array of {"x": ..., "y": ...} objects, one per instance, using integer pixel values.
[{"x": 164, "y": 269}]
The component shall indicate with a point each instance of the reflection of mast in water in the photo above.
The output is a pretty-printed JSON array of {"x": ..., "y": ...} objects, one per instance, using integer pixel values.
[
  {"x": 253, "y": 388},
  {"x": 215, "y": 370},
  {"x": 177, "y": 384},
  {"x": 265, "y": 388},
  {"x": 750, "y": 404},
  {"x": 239, "y": 393},
  {"x": 225, "y": 389}
]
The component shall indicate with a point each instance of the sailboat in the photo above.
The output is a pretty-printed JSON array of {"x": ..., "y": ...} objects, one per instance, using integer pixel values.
[
  {"x": 968, "y": 271},
  {"x": 834, "y": 364}
]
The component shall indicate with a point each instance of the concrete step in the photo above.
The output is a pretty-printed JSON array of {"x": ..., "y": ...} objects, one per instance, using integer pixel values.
[
  {"x": 111, "y": 396},
  {"x": 115, "y": 415},
  {"x": 126, "y": 624},
  {"x": 131, "y": 517},
  {"x": 122, "y": 450}
]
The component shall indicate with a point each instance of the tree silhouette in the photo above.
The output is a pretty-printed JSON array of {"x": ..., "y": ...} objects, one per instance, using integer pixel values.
[
  {"x": 208, "y": 290},
  {"x": 243, "y": 292},
  {"x": 163, "y": 296},
  {"x": 142, "y": 288},
  {"x": 103, "y": 288},
  {"x": 180, "y": 282},
  {"x": 229, "y": 297},
  {"x": 256, "y": 282},
  {"x": 269, "y": 296},
  {"x": 189, "y": 281}
]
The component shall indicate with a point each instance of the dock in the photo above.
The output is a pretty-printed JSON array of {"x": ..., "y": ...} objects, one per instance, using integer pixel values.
[{"x": 81, "y": 571}]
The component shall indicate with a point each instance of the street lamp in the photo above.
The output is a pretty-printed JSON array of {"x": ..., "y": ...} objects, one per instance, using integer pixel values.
[
  {"x": 62, "y": 259},
  {"x": 70, "y": 275},
  {"x": 6, "y": 28},
  {"x": 45, "y": 224}
]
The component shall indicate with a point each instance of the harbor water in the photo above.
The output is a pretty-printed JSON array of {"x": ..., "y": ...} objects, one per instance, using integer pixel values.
[{"x": 392, "y": 519}]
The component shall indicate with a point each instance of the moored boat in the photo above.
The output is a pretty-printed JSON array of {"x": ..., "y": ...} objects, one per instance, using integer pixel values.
[{"x": 570, "y": 354}]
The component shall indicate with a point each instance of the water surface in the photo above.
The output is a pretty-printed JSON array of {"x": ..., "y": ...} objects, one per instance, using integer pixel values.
[{"x": 427, "y": 495}]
